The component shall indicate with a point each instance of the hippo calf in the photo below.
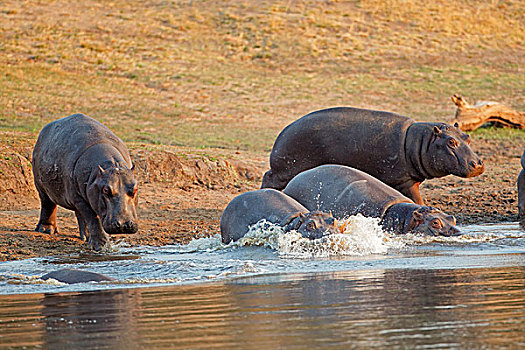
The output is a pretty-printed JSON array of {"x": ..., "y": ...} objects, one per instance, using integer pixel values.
[
  {"x": 393, "y": 148},
  {"x": 276, "y": 207},
  {"x": 521, "y": 190},
  {"x": 347, "y": 191},
  {"x": 81, "y": 165},
  {"x": 71, "y": 276}
]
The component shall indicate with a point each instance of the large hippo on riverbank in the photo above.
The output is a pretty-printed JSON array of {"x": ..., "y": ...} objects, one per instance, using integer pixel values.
[
  {"x": 347, "y": 191},
  {"x": 276, "y": 207},
  {"x": 393, "y": 148},
  {"x": 521, "y": 190},
  {"x": 81, "y": 165},
  {"x": 71, "y": 276}
]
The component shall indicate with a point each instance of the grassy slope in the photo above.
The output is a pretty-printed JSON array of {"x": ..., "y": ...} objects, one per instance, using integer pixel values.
[{"x": 232, "y": 74}]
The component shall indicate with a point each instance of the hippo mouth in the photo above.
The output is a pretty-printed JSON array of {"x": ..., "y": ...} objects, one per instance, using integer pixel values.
[
  {"x": 452, "y": 232},
  {"x": 472, "y": 169},
  {"x": 476, "y": 169},
  {"x": 126, "y": 228}
]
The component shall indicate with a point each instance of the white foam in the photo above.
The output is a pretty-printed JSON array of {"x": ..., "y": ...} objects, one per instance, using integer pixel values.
[
  {"x": 17, "y": 278},
  {"x": 359, "y": 236}
]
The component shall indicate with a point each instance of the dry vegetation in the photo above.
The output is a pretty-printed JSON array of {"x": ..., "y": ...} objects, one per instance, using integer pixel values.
[{"x": 218, "y": 80}]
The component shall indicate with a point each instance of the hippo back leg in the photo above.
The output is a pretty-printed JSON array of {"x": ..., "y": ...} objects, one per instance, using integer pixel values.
[{"x": 48, "y": 214}]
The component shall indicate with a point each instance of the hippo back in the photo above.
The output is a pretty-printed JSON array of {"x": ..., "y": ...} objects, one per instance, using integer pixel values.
[
  {"x": 67, "y": 139},
  {"x": 250, "y": 207},
  {"x": 71, "y": 276},
  {"x": 344, "y": 191},
  {"x": 342, "y": 135}
]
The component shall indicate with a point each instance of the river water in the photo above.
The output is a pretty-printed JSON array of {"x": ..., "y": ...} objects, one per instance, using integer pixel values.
[{"x": 361, "y": 289}]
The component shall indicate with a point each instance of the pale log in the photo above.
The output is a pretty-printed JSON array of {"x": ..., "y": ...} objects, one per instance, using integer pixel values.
[{"x": 470, "y": 117}]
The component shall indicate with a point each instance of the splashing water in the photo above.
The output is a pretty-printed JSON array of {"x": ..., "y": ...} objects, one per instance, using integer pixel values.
[{"x": 359, "y": 236}]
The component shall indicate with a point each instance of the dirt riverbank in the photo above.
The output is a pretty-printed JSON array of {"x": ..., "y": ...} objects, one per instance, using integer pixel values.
[{"x": 183, "y": 192}]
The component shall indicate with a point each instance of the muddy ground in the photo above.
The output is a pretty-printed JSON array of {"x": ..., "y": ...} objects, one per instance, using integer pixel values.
[{"x": 183, "y": 192}]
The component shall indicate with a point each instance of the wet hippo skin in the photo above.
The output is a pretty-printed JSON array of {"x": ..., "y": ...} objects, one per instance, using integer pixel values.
[
  {"x": 276, "y": 207},
  {"x": 71, "y": 276},
  {"x": 395, "y": 149},
  {"x": 345, "y": 191},
  {"x": 81, "y": 165}
]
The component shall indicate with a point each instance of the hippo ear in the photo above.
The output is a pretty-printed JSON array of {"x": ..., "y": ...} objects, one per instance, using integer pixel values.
[
  {"x": 101, "y": 170},
  {"x": 289, "y": 219},
  {"x": 417, "y": 215},
  {"x": 456, "y": 125},
  {"x": 436, "y": 130},
  {"x": 293, "y": 221},
  {"x": 299, "y": 221}
]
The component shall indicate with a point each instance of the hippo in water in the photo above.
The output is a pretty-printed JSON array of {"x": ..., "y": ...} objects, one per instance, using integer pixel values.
[
  {"x": 81, "y": 165},
  {"x": 71, "y": 276},
  {"x": 347, "y": 191},
  {"x": 521, "y": 191},
  {"x": 276, "y": 207},
  {"x": 393, "y": 148}
]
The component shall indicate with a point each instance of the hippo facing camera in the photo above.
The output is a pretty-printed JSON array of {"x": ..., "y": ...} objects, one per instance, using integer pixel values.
[{"x": 81, "y": 165}]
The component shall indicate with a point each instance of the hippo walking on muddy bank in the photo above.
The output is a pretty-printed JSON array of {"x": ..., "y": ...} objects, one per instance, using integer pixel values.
[
  {"x": 521, "y": 191},
  {"x": 347, "y": 191},
  {"x": 395, "y": 149},
  {"x": 81, "y": 165},
  {"x": 276, "y": 207}
]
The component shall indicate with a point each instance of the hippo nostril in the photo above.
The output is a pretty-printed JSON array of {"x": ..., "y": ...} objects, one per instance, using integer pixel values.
[
  {"x": 130, "y": 226},
  {"x": 476, "y": 164}
]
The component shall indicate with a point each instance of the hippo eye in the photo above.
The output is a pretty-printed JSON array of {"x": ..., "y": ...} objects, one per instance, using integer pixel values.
[
  {"x": 437, "y": 224},
  {"x": 106, "y": 191},
  {"x": 310, "y": 226},
  {"x": 452, "y": 143}
]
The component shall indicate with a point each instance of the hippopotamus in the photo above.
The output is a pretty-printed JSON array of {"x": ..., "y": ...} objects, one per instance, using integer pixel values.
[
  {"x": 345, "y": 191},
  {"x": 393, "y": 148},
  {"x": 71, "y": 276},
  {"x": 276, "y": 207},
  {"x": 521, "y": 190},
  {"x": 81, "y": 165}
]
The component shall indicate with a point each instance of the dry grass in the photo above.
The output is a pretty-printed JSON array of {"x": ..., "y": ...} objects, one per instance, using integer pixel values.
[{"x": 232, "y": 74}]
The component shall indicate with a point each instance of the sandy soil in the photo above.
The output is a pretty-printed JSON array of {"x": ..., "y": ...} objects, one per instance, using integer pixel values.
[{"x": 182, "y": 195}]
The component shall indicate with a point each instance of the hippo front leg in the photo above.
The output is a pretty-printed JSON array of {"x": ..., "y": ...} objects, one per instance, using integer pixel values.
[
  {"x": 411, "y": 190},
  {"x": 82, "y": 226},
  {"x": 521, "y": 196},
  {"x": 98, "y": 239}
]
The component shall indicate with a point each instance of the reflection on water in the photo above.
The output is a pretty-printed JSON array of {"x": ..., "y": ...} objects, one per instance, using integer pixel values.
[{"x": 383, "y": 308}]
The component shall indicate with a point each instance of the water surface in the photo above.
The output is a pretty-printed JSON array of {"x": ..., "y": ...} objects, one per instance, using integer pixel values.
[{"x": 464, "y": 292}]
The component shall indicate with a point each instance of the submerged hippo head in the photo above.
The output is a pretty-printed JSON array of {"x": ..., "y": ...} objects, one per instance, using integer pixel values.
[
  {"x": 449, "y": 153},
  {"x": 113, "y": 196},
  {"x": 312, "y": 225},
  {"x": 433, "y": 222}
]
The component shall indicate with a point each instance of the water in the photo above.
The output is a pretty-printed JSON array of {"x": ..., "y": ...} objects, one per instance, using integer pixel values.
[{"x": 363, "y": 289}]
